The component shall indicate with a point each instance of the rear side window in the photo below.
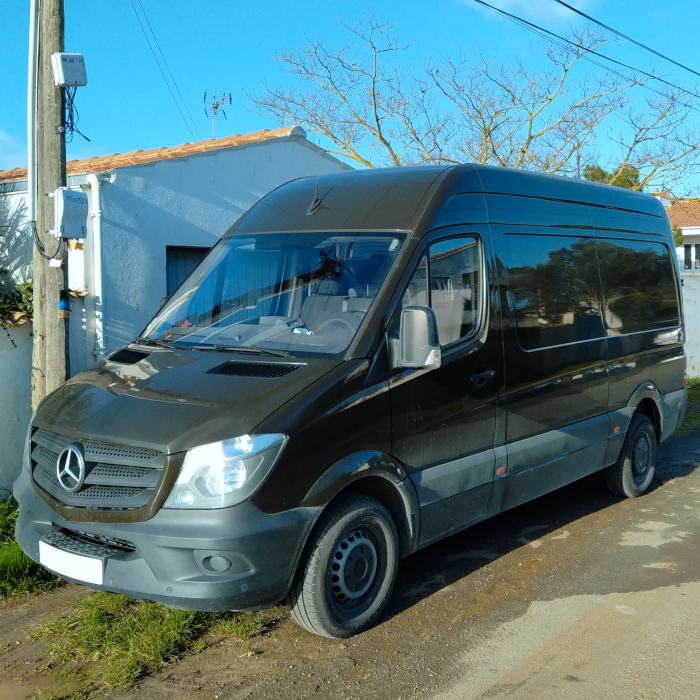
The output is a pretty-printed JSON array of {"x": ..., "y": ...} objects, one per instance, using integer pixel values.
[
  {"x": 448, "y": 280},
  {"x": 639, "y": 286},
  {"x": 554, "y": 292}
]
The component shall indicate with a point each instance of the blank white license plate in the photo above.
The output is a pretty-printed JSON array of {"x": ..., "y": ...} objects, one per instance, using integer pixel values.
[{"x": 75, "y": 566}]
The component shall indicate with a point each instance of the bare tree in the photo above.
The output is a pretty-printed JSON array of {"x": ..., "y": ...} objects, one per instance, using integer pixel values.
[{"x": 376, "y": 113}]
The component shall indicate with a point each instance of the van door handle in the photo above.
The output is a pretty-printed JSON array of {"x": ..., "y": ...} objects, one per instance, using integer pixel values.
[{"x": 481, "y": 376}]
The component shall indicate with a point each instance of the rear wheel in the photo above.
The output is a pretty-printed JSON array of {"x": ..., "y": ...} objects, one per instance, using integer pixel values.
[
  {"x": 634, "y": 470},
  {"x": 346, "y": 579}
]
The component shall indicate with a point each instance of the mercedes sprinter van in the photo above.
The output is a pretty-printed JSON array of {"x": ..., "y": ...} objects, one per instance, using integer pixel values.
[{"x": 364, "y": 364}]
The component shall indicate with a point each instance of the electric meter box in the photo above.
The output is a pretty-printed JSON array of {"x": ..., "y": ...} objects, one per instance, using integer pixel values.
[
  {"x": 71, "y": 212},
  {"x": 68, "y": 69}
]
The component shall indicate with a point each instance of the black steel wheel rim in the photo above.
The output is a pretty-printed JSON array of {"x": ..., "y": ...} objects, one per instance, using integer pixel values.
[
  {"x": 355, "y": 570},
  {"x": 641, "y": 458}
]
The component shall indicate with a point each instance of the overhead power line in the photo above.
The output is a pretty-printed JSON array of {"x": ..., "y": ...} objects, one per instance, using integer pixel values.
[
  {"x": 167, "y": 67},
  {"x": 162, "y": 73},
  {"x": 628, "y": 38},
  {"x": 587, "y": 50}
]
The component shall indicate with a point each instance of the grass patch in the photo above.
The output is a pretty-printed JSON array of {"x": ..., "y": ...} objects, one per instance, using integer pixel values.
[
  {"x": 692, "y": 415},
  {"x": 18, "y": 573},
  {"x": 111, "y": 640}
]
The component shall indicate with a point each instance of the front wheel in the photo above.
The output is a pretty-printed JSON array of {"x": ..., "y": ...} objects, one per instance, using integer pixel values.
[
  {"x": 634, "y": 470},
  {"x": 346, "y": 578}
]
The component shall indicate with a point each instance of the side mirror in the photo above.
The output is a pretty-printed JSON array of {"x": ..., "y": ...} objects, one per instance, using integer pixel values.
[{"x": 417, "y": 345}]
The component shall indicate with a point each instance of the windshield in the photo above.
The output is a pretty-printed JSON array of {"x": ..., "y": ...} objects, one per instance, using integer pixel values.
[{"x": 289, "y": 292}]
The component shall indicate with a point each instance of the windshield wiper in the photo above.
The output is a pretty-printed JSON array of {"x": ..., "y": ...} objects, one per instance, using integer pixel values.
[
  {"x": 142, "y": 340},
  {"x": 240, "y": 348}
]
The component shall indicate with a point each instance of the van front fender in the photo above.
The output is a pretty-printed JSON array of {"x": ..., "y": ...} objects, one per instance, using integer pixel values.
[{"x": 362, "y": 469}]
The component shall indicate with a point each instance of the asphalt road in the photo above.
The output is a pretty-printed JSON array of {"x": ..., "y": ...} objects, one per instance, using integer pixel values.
[{"x": 576, "y": 595}]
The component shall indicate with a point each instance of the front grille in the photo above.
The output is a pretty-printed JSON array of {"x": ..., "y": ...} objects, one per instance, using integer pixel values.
[
  {"x": 105, "y": 540},
  {"x": 70, "y": 541},
  {"x": 117, "y": 477}
]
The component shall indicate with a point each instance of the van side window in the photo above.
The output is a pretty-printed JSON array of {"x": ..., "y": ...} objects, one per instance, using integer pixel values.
[
  {"x": 555, "y": 292},
  {"x": 639, "y": 286},
  {"x": 448, "y": 280},
  {"x": 416, "y": 293}
]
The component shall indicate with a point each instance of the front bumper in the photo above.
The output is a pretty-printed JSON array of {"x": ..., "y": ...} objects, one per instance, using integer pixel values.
[{"x": 171, "y": 561}]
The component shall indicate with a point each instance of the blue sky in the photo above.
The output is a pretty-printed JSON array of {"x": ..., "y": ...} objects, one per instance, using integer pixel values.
[{"x": 228, "y": 45}]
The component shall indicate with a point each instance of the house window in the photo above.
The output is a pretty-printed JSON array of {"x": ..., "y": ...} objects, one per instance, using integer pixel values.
[
  {"x": 179, "y": 262},
  {"x": 687, "y": 256}
]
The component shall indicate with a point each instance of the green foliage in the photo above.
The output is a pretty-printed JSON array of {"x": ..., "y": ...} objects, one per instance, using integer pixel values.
[
  {"x": 18, "y": 573},
  {"x": 8, "y": 516},
  {"x": 14, "y": 300},
  {"x": 595, "y": 173},
  {"x": 677, "y": 236},
  {"x": 624, "y": 176},
  {"x": 692, "y": 416},
  {"x": 16, "y": 304},
  {"x": 111, "y": 640}
]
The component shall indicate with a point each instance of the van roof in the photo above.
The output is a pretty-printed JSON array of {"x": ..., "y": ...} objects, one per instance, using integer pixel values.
[{"x": 395, "y": 199}]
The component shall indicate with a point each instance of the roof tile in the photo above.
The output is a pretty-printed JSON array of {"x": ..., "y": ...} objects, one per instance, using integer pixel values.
[
  {"x": 142, "y": 157},
  {"x": 684, "y": 212}
]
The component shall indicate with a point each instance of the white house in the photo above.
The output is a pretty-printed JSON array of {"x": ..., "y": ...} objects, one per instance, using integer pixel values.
[
  {"x": 153, "y": 215},
  {"x": 684, "y": 214}
]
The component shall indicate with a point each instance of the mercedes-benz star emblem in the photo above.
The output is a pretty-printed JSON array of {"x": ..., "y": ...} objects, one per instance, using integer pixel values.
[{"x": 70, "y": 469}]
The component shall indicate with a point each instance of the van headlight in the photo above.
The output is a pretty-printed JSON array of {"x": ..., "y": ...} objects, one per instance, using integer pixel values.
[{"x": 224, "y": 473}]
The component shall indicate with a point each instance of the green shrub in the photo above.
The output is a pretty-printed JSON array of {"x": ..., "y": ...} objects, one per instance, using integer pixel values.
[{"x": 18, "y": 573}]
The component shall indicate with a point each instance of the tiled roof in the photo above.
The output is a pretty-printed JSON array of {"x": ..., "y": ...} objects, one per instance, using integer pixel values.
[
  {"x": 123, "y": 160},
  {"x": 684, "y": 212}
]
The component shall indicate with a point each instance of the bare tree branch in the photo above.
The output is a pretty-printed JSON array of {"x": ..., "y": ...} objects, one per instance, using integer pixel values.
[{"x": 374, "y": 112}]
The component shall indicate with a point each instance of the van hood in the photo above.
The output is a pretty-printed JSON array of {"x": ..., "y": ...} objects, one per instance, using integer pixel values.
[{"x": 173, "y": 400}]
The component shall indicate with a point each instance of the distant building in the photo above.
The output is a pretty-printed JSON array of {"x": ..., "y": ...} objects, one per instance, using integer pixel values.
[
  {"x": 153, "y": 215},
  {"x": 684, "y": 214}
]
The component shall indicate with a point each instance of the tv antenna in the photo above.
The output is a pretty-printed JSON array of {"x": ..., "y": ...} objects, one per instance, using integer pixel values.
[{"x": 214, "y": 103}]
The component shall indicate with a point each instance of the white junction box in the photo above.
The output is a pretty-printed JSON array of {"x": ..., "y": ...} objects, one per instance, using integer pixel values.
[
  {"x": 68, "y": 69},
  {"x": 70, "y": 212}
]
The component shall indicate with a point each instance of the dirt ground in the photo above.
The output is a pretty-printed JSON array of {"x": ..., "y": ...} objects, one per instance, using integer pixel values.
[{"x": 577, "y": 594}]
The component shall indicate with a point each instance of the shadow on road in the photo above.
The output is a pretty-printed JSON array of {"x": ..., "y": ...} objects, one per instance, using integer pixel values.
[{"x": 464, "y": 553}]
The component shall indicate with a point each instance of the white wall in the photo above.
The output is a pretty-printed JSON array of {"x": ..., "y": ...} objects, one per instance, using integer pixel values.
[
  {"x": 15, "y": 401},
  {"x": 15, "y": 362},
  {"x": 15, "y": 242},
  {"x": 691, "y": 308},
  {"x": 184, "y": 202}
]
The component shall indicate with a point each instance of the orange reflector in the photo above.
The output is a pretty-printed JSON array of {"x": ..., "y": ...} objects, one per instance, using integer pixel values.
[
  {"x": 500, "y": 471},
  {"x": 616, "y": 429}
]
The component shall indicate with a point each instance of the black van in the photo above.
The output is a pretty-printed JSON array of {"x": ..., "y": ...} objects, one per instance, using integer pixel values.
[{"x": 364, "y": 364}]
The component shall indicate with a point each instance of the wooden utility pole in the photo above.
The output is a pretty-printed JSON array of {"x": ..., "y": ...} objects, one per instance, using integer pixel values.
[{"x": 49, "y": 346}]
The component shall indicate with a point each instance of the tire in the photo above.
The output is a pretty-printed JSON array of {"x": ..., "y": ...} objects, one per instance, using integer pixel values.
[
  {"x": 346, "y": 578},
  {"x": 634, "y": 470}
]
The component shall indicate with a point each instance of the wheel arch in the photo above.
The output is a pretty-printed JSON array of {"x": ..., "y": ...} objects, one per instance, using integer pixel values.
[
  {"x": 646, "y": 399},
  {"x": 376, "y": 475}
]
